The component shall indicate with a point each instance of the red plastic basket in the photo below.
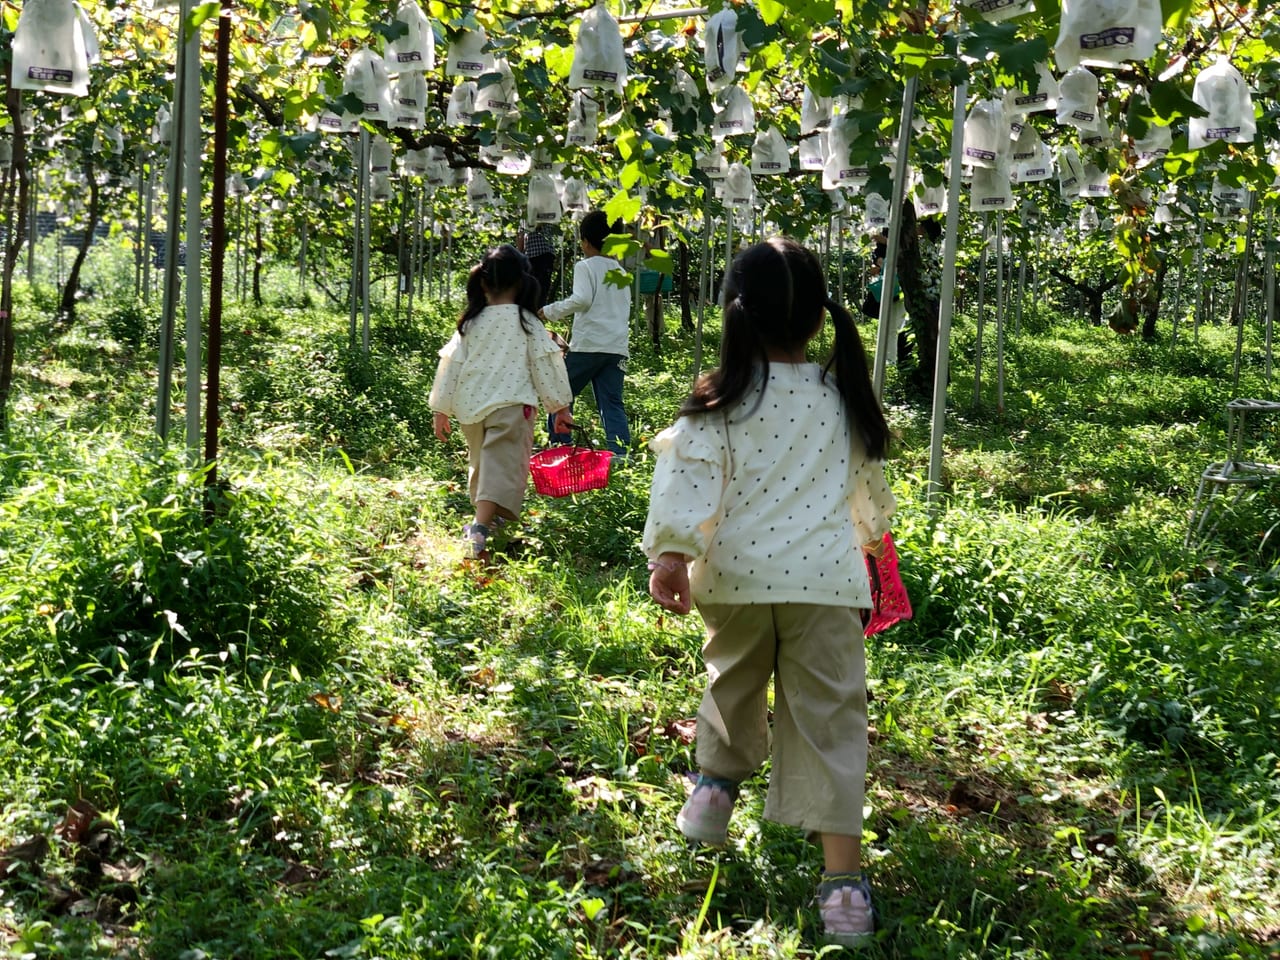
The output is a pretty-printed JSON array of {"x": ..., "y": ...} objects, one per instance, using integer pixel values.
[
  {"x": 889, "y": 599},
  {"x": 561, "y": 471}
]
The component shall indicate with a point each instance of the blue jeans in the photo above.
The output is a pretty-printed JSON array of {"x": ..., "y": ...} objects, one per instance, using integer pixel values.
[{"x": 604, "y": 371}]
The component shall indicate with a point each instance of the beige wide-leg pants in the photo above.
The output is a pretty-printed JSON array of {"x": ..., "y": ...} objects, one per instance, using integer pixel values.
[
  {"x": 498, "y": 450},
  {"x": 816, "y": 657}
]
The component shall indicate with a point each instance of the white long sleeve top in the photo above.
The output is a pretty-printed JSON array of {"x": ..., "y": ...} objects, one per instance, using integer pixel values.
[
  {"x": 773, "y": 503},
  {"x": 601, "y": 311},
  {"x": 496, "y": 364}
]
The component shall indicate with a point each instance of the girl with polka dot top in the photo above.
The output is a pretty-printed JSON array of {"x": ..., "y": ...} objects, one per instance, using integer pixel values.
[
  {"x": 498, "y": 365},
  {"x": 767, "y": 490}
]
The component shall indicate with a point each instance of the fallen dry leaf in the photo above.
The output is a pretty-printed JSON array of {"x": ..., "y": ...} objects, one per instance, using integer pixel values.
[
  {"x": 76, "y": 823},
  {"x": 329, "y": 701},
  {"x": 683, "y": 731}
]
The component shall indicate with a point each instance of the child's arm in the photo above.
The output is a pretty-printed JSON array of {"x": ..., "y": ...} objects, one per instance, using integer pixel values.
[
  {"x": 445, "y": 385},
  {"x": 669, "y": 582},
  {"x": 547, "y": 371},
  {"x": 578, "y": 301},
  {"x": 684, "y": 507},
  {"x": 871, "y": 502}
]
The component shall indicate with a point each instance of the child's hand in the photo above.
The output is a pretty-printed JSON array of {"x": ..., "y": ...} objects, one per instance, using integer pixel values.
[
  {"x": 669, "y": 583},
  {"x": 440, "y": 421},
  {"x": 563, "y": 420}
]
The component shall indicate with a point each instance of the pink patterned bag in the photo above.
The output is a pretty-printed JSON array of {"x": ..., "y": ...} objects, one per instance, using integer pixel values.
[{"x": 889, "y": 599}]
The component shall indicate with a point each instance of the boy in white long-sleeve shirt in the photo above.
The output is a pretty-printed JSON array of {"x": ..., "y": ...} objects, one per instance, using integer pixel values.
[{"x": 598, "y": 347}]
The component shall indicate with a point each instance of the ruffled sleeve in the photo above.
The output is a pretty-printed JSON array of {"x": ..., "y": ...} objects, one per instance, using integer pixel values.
[
  {"x": 445, "y": 386},
  {"x": 871, "y": 502},
  {"x": 685, "y": 501},
  {"x": 546, "y": 368}
]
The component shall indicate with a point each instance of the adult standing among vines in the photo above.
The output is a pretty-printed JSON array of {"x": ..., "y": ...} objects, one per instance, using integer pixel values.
[
  {"x": 920, "y": 275},
  {"x": 539, "y": 246}
]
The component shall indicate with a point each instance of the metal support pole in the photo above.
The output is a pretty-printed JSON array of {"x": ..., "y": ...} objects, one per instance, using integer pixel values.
[
  {"x": 148, "y": 218},
  {"x": 884, "y": 332},
  {"x": 192, "y": 148},
  {"x": 703, "y": 295},
  {"x": 982, "y": 312},
  {"x": 946, "y": 295},
  {"x": 366, "y": 192},
  {"x": 840, "y": 257},
  {"x": 1269, "y": 287},
  {"x": 1203, "y": 288},
  {"x": 357, "y": 237},
  {"x": 139, "y": 247},
  {"x": 33, "y": 230},
  {"x": 1000, "y": 313},
  {"x": 1022, "y": 281}
]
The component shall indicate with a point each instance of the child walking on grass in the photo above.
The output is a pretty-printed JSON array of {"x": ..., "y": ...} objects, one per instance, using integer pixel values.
[
  {"x": 598, "y": 348},
  {"x": 498, "y": 365},
  {"x": 765, "y": 487}
]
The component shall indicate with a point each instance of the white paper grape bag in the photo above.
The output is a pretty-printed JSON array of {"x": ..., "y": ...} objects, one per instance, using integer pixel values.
[
  {"x": 1042, "y": 94},
  {"x": 500, "y": 97},
  {"x": 737, "y": 115},
  {"x": 461, "y": 111},
  {"x": 713, "y": 162},
  {"x": 379, "y": 154},
  {"x": 986, "y": 134},
  {"x": 739, "y": 187},
  {"x": 467, "y": 56},
  {"x": 813, "y": 151},
  {"x": 92, "y": 53},
  {"x": 409, "y": 101},
  {"x": 875, "y": 216},
  {"x": 1035, "y": 169},
  {"x": 414, "y": 51},
  {"x": 162, "y": 132},
  {"x": 1107, "y": 32},
  {"x": 991, "y": 187},
  {"x": 686, "y": 91},
  {"x": 815, "y": 112},
  {"x": 543, "y": 205},
  {"x": 575, "y": 199},
  {"x": 1070, "y": 172},
  {"x": 1027, "y": 146},
  {"x": 930, "y": 201},
  {"x": 769, "y": 156},
  {"x": 49, "y": 51},
  {"x": 1094, "y": 183},
  {"x": 1221, "y": 90},
  {"x": 1096, "y": 135},
  {"x": 479, "y": 191},
  {"x": 1088, "y": 222},
  {"x": 1078, "y": 97},
  {"x": 996, "y": 10},
  {"x": 367, "y": 78},
  {"x": 598, "y": 56},
  {"x": 839, "y": 169},
  {"x": 1230, "y": 196},
  {"x": 1154, "y": 144},
  {"x": 583, "y": 121},
  {"x": 720, "y": 49}
]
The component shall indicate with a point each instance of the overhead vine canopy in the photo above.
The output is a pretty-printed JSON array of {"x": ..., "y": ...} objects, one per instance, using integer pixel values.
[{"x": 292, "y": 66}]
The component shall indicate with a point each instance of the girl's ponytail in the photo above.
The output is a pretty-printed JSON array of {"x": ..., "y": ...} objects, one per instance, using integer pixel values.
[
  {"x": 476, "y": 299},
  {"x": 502, "y": 268},
  {"x": 854, "y": 382}
]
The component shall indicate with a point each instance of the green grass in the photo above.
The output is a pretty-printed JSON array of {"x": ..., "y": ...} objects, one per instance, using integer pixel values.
[{"x": 288, "y": 722}]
